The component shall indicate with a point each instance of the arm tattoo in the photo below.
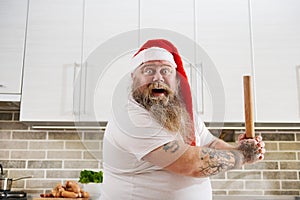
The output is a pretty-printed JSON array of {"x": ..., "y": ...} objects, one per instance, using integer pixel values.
[
  {"x": 213, "y": 144},
  {"x": 171, "y": 146},
  {"x": 214, "y": 161}
]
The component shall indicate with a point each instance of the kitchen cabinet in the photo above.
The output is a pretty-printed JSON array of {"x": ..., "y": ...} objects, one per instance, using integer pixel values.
[
  {"x": 52, "y": 59},
  {"x": 219, "y": 51},
  {"x": 173, "y": 21},
  {"x": 222, "y": 31},
  {"x": 276, "y": 39},
  {"x": 13, "y": 16},
  {"x": 110, "y": 37},
  {"x": 176, "y": 16},
  {"x": 176, "y": 23},
  {"x": 77, "y": 51}
]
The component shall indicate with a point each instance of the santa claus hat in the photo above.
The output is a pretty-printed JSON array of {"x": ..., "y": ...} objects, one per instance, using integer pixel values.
[{"x": 161, "y": 49}]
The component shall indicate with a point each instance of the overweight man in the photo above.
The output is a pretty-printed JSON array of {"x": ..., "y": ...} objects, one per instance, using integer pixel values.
[{"x": 165, "y": 151}]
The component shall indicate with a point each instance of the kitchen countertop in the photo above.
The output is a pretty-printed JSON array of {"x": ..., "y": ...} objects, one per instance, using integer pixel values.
[
  {"x": 60, "y": 198},
  {"x": 255, "y": 198}
]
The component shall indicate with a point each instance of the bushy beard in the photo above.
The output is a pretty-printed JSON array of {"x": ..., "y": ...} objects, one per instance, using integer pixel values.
[{"x": 168, "y": 109}]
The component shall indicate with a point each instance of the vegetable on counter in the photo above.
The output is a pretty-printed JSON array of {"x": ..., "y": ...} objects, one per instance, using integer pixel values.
[{"x": 89, "y": 176}]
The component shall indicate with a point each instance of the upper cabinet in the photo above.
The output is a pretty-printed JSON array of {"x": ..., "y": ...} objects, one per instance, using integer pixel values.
[
  {"x": 176, "y": 22},
  {"x": 276, "y": 39},
  {"x": 176, "y": 16},
  {"x": 105, "y": 20},
  {"x": 13, "y": 16},
  {"x": 173, "y": 21},
  {"x": 222, "y": 33},
  {"x": 109, "y": 38},
  {"x": 77, "y": 54},
  {"x": 52, "y": 59},
  {"x": 213, "y": 38}
]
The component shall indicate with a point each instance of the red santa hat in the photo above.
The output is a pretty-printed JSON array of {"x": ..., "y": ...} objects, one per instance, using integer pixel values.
[{"x": 161, "y": 49}]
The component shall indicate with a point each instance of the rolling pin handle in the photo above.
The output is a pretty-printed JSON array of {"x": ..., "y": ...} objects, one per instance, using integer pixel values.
[{"x": 249, "y": 111}]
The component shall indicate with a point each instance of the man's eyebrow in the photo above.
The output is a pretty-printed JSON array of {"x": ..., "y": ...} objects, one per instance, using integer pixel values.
[
  {"x": 153, "y": 65},
  {"x": 148, "y": 65}
]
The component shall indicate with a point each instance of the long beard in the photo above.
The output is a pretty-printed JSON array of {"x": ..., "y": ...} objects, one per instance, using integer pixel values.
[{"x": 167, "y": 109}]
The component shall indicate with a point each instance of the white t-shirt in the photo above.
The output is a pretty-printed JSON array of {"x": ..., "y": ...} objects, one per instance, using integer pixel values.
[{"x": 131, "y": 135}]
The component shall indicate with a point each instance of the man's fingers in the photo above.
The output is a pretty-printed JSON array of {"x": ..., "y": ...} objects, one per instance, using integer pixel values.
[
  {"x": 261, "y": 144},
  {"x": 262, "y": 151},
  {"x": 261, "y": 157},
  {"x": 258, "y": 138}
]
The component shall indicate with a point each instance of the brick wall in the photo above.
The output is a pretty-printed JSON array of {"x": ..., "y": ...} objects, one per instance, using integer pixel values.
[
  {"x": 53, "y": 156},
  {"x": 50, "y": 156},
  {"x": 278, "y": 174}
]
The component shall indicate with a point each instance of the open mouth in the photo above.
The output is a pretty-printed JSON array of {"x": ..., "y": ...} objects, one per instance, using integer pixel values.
[{"x": 158, "y": 92}]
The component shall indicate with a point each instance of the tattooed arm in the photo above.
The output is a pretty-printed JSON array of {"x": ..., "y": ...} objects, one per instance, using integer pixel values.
[
  {"x": 199, "y": 161},
  {"x": 204, "y": 161},
  {"x": 220, "y": 144},
  {"x": 255, "y": 144}
]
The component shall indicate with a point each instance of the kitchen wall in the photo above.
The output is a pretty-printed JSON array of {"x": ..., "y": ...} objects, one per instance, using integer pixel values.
[
  {"x": 56, "y": 155},
  {"x": 50, "y": 156}
]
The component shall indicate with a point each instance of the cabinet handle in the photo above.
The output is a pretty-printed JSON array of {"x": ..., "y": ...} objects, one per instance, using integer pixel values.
[
  {"x": 76, "y": 66},
  {"x": 199, "y": 87},
  {"x": 84, "y": 66},
  {"x": 298, "y": 86},
  {"x": 81, "y": 88},
  {"x": 196, "y": 74},
  {"x": 76, "y": 90}
]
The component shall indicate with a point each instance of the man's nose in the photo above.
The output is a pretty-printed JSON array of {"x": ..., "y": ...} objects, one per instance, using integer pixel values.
[{"x": 158, "y": 77}]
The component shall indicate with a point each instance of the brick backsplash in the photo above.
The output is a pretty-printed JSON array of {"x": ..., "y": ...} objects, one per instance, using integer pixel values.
[{"x": 53, "y": 156}]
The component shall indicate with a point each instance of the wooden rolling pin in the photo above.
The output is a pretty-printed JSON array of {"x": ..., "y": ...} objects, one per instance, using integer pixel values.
[{"x": 249, "y": 111}]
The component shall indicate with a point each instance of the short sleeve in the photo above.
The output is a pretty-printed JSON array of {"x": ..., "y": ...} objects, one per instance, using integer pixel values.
[
  {"x": 141, "y": 133},
  {"x": 203, "y": 135}
]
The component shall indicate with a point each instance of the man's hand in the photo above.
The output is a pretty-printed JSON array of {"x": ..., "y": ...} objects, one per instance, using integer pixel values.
[{"x": 252, "y": 149}]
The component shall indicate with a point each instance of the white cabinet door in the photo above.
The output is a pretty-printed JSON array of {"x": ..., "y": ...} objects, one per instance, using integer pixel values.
[
  {"x": 54, "y": 41},
  {"x": 276, "y": 37},
  {"x": 176, "y": 16},
  {"x": 223, "y": 34},
  {"x": 110, "y": 35},
  {"x": 170, "y": 20},
  {"x": 221, "y": 53},
  {"x": 13, "y": 15},
  {"x": 174, "y": 21}
]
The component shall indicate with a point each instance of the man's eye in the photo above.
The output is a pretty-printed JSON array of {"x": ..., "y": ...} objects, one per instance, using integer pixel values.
[
  {"x": 165, "y": 71},
  {"x": 148, "y": 71}
]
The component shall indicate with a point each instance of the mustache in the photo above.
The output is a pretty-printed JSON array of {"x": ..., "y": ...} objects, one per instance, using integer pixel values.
[
  {"x": 151, "y": 94},
  {"x": 159, "y": 87}
]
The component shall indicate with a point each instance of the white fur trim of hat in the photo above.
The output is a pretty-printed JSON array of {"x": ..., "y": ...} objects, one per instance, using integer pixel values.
[{"x": 153, "y": 53}]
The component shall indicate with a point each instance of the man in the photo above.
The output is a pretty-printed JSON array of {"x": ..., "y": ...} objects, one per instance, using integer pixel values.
[{"x": 163, "y": 151}]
